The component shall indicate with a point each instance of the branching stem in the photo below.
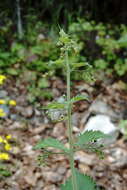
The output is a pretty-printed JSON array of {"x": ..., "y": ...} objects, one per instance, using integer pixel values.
[{"x": 71, "y": 155}]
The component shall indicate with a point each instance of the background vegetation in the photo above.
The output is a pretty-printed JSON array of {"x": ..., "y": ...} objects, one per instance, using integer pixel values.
[
  {"x": 29, "y": 32},
  {"x": 34, "y": 69}
]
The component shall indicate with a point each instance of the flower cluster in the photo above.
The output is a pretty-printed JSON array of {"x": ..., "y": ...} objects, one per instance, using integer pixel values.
[
  {"x": 66, "y": 43},
  {"x": 5, "y": 146},
  {"x": 2, "y": 113},
  {"x": 10, "y": 102},
  {"x": 4, "y": 141},
  {"x": 2, "y": 78},
  {"x": 2, "y": 101}
]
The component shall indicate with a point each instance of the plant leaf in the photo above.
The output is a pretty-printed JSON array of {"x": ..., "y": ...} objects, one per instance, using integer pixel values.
[
  {"x": 12, "y": 71},
  {"x": 84, "y": 182},
  {"x": 123, "y": 41},
  {"x": 43, "y": 83},
  {"x": 78, "y": 98},
  {"x": 4, "y": 171},
  {"x": 81, "y": 64},
  {"x": 51, "y": 142},
  {"x": 90, "y": 136},
  {"x": 55, "y": 105}
]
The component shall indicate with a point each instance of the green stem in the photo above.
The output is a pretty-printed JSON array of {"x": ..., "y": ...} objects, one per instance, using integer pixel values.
[{"x": 71, "y": 156}]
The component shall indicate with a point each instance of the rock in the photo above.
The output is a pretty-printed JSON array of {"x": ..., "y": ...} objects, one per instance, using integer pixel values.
[
  {"x": 39, "y": 185},
  {"x": 3, "y": 94},
  {"x": 117, "y": 182},
  {"x": 55, "y": 92},
  {"x": 103, "y": 124},
  {"x": 61, "y": 170},
  {"x": 85, "y": 87},
  {"x": 52, "y": 176},
  {"x": 61, "y": 99},
  {"x": 37, "y": 112},
  {"x": 40, "y": 37},
  {"x": 58, "y": 130},
  {"x": 38, "y": 130},
  {"x": 75, "y": 119},
  {"x": 28, "y": 150},
  {"x": 14, "y": 116},
  {"x": 119, "y": 85},
  {"x": 85, "y": 158},
  {"x": 36, "y": 121},
  {"x": 15, "y": 186},
  {"x": 17, "y": 125},
  {"x": 30, "y": 178},
  {"x": 27, "y": 112},
  {"x": 84, "y": 168},
  {"x": 76, "y": 129},
  {"x": 100, "y": 107},
  {"x": 21, "y": 100},
  {"x": 118, "y": 158}
]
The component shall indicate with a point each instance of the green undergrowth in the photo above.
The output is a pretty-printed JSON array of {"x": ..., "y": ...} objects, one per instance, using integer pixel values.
[{"x": 102, "y": 45}]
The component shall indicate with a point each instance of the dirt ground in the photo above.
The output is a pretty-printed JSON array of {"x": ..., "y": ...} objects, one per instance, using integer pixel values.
[{"x": 27, "y": 124}]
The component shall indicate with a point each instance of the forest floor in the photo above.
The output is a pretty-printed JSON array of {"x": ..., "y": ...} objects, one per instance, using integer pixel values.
[{"x": 27, "y": 125}]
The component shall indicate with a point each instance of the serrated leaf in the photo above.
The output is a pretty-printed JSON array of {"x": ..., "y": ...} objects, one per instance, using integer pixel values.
[
  {"x": 51, "y": 142},
  {"x": 58, "y": 62},
  {"x": 90, "y": 136},
  {"x": 84, "y": 182},
  {"x": 79, "y": 98},
  {"x": 55, "y": 105},
  {"x": 81, "y": 64}
]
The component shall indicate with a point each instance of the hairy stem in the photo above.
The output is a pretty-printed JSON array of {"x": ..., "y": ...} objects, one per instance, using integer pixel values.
[{"x": 71, "y": 156}]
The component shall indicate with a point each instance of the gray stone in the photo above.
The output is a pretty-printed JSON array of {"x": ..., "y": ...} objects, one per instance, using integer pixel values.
[
  {"x": 37, "y": 112},
  {"x": 3, "y": 93},
  {"x": 100, "y": 107},
  {"x": 58, "y": 130},
  {"x": 118, "y": 158},
  {"x": 40, "y": 37},
  {"x": 85, "y": 158},
  {"x": 103, "y": 124},
  {"x": 27, "y": 112},
  {"x": 52, "y": 176},
  {"x": 75, "y": 119},
  {"x": 14, "y": 116},
  {"x": 61, "y": 170}
]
